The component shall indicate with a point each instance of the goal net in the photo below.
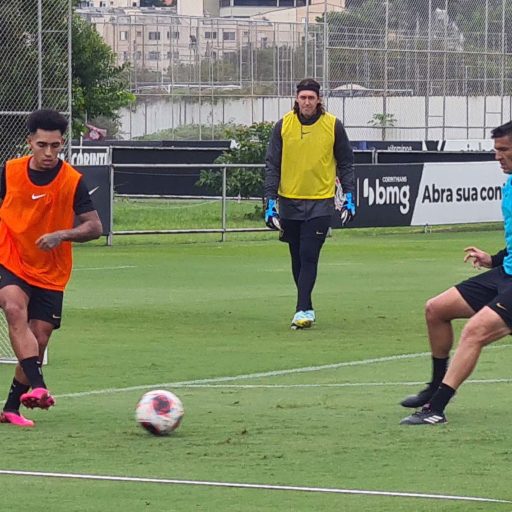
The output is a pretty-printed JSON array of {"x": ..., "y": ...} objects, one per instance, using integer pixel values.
[
  {"x": 35, "y": 64},
  {"x": 6, "y": 352}
]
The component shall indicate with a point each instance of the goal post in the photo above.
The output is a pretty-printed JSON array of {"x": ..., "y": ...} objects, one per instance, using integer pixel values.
[
  {"x": 7, "y": 355},
  {"x": 6, "y": 352}
]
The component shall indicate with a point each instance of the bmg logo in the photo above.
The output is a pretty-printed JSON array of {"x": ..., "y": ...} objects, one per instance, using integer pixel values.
[{"x": 389, "y": 190}]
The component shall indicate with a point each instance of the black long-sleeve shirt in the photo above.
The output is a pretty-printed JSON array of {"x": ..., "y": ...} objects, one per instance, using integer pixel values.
[
  {"x": 497, "y": 259},
  {"x": 303, "y": 209}
]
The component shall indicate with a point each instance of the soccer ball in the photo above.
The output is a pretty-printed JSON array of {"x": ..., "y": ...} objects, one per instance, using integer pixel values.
[{"x": 159, "y": 412}]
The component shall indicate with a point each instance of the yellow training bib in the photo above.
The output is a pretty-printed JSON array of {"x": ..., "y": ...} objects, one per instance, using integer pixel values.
[{"x": 308, "y": 166}]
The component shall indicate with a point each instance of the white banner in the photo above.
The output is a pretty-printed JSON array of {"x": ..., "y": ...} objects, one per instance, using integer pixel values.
[
  {"x": 88, "y": 155},
  {"x": 466, "y": 145},
  {"x": 458, "y": 193}
]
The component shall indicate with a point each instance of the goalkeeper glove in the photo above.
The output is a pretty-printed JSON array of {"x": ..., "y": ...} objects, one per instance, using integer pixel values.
[
  {"x": 271, "y": 215},
  {"x": 348, "y": 209}
]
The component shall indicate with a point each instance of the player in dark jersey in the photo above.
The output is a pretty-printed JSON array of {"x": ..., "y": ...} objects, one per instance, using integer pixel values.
[{"x": 485, "y": 299}]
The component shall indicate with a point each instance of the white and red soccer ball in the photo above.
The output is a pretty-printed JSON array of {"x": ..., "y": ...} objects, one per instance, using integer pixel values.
[{"x": 159, "y": 412}]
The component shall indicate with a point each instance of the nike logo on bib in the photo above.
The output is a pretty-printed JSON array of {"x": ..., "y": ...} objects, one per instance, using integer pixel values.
[{"x": 37, "y": 196}]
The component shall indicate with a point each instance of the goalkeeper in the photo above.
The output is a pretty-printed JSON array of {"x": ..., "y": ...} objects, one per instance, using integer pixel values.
[{"x": 308, "y": 152}]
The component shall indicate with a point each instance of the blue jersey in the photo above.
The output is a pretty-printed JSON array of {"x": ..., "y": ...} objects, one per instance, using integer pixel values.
[{"x": 506, "y": 208}]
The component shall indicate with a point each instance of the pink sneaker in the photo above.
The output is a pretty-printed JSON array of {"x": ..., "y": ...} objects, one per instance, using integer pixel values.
[
  {"x": 15, "y": 418},
  {"x": 38, "y": 397}
]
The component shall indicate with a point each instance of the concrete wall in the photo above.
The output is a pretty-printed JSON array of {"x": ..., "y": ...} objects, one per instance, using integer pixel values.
[{"x": 464, "y": 118}]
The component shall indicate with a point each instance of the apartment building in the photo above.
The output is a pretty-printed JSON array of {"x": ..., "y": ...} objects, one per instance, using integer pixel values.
[
  {"x": 108, "y": 3},
  {"x": 120, "y": 3},
  {"x": 278, "y": 10},
  {"x": 160, "y": 40}
]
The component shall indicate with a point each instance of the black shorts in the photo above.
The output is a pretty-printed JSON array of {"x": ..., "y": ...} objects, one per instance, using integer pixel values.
[
  {"x": 493, "y": 289},
  {"x": 43, "y": 304},
  {"x": 296, "y": 230}
]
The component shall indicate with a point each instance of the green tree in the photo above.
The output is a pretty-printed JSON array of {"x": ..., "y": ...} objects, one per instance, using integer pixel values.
[
  {"x": 382, "y": 120},
  {"x": 31, "y": 80},
  {"x": 22, "y": 88},
  {"x": 402, "y": 14},
  {"x": 250, "y": 147},
  {"x": 467, "y": 29},
  {"x": 100, "y": 88}
]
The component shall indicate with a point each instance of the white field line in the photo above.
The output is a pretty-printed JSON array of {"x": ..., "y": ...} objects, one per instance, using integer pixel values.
[
  {"x": 171, "y": 481},
  {"x": 195, "y": 205},
  {"x": 332, "y": 385},
  {"x": 273, "y": 373},
  {"x": 118, "y": 267}
]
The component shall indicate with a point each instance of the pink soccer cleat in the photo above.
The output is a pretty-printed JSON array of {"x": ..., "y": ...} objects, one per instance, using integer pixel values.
[
  {"x": 15, "y": 418},
  {"x": 38, "y": 397}
]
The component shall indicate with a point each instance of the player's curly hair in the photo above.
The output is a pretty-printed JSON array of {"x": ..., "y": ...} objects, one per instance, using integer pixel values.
[
  {"x": 309, "y": 84},
  {"x": 48, "y": 120}
]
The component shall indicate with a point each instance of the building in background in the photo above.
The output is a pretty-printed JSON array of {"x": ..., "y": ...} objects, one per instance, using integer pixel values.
[
  {"x": 197, "y": 7},
  {"x": 108, "y": 3},
  {"x": 425, "y": 69},
  {"x": 274, "y": 10},
  {"x": 278, "y": 10},
  {"x": 169, "y": 42}
]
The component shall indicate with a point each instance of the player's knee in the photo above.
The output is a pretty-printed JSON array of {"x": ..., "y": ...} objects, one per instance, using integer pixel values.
[
  {"x": 15, "y": 312},
  {"x": 433, "y": 310},
  {"x": 474, "y": 335}
]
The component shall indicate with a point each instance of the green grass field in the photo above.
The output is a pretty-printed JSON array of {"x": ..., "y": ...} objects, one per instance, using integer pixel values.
[
  {"x": 142, "y": 213},
  {"x": 264, "y": 404}
]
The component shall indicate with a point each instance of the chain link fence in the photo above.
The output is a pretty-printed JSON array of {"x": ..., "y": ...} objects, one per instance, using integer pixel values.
[
  {"x": 35, "y": 57},
  {"x": 35, "y": 64},
  {"x": 189, "y": 73},
  {"x": 390, "y": 69},
  {"x": 432, "y": 67}
]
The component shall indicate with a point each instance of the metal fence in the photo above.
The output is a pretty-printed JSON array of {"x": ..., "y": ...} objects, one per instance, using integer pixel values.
[
  {"x": 35, "y": 65},
  {"x": 454, "y": 56},
  {"x": 252, "y": 223},
  {"x": 390, "y": 68},
  {"x": 35, "y": 70}
]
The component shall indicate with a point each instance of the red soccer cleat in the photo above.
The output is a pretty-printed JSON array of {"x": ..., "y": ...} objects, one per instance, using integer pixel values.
[
  {"x": 38, "y": 397},
  {"x": 15, "y": 418}
]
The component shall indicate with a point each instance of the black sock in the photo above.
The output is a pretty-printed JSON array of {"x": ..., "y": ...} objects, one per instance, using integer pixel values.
[
  {"x": 13, "y": 400},
  {"x": 40, "y": 366},
  {"x": 32, "y": 370},
  {"x": 441, "y": 398},
  {"x": 439, "y": 366}
]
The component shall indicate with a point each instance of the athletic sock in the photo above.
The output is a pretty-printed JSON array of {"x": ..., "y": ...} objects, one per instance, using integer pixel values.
[
  {"x": 439, "y": 367},
  {"x": 13, "y": 399},
  {"x": 32, "y": 370},
  {"x": 40, "y": 366},
  {"x": 441, "y": 398}
]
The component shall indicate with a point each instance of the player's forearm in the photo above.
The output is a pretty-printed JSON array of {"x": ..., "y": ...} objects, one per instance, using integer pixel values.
[
  {"x": 344, "y": 158},
  {"x": 89, "y": 230},
  {"x": 273, "y": 163},
  {"x": 497, "y": 259}
]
